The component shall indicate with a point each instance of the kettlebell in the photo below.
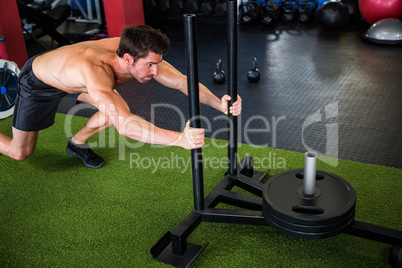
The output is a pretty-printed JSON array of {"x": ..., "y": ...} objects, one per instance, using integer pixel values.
[
  {"x": 269, "y": 13},
  {"x": 314, "y": 2},
  {"x": 249, "y": 12},
  {"x": 289, "y": 12},
  {"x": 305, "y": 12},
  {"x": 253, "y": 74},
  {"x": 219, "y": 75}
]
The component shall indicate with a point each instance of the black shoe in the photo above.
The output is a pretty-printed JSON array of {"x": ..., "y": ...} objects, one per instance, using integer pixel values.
[{"x": 83, "y": 151}]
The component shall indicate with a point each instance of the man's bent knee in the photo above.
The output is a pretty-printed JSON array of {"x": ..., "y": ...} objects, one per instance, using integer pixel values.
[
  {"x": 20, "y": 155},
  {"x": 22, "y": 145}
]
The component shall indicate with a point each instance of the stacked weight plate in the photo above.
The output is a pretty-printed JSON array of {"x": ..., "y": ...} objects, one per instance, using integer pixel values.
[
  {"x": 8, "y": 87},
  {"x": 326, "y": 213}
]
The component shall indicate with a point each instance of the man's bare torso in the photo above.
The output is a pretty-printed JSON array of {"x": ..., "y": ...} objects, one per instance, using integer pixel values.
[{"x": 66, "y": 68}]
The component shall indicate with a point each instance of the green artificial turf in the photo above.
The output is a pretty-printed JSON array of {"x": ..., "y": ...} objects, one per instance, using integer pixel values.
[{"x": 55, "y": 212}]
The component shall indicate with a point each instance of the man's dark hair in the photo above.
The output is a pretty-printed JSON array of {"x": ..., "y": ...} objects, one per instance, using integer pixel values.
[{"x": 138, "y": 40}]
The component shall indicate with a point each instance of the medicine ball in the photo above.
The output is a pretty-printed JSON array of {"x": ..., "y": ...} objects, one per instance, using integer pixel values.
[
  {"x": 332, "y": 15},
  {"x": 354, "y": 12}
]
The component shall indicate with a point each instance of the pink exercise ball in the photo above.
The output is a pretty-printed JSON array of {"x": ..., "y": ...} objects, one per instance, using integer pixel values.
[{"x": 375, "y": 10}]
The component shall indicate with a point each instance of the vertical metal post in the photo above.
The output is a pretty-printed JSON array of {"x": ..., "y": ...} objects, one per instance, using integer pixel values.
[
  {"x": 232, "y": 83},
  {"x": 194, "y": 106}
]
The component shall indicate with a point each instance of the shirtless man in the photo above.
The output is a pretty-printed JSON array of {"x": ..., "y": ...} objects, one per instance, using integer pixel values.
[{"x": 94, "y": 69}]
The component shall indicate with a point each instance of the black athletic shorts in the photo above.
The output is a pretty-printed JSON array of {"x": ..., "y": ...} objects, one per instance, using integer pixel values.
[{"x": 36, "y": 103}]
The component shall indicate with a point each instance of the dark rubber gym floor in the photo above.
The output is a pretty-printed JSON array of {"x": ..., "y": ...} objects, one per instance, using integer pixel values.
[{"x": 320, "y": 90}]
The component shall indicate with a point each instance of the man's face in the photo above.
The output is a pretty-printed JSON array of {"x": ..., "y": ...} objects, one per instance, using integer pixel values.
[{"x": 145, "y": 68}]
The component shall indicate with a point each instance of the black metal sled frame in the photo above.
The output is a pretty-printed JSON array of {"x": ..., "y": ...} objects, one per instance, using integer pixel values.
[{"x": 173, "y": 247}]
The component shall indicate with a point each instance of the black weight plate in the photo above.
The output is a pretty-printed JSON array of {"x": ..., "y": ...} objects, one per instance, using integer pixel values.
[
  {"x": 8, "y": 91},
  {"x": 268, "y": 211},
  {"x": 308, "y": 231},
  {"x": 337, "y": 199},
  {"x": 313, "y": 233},
  {"x": 333, "y": 226}
]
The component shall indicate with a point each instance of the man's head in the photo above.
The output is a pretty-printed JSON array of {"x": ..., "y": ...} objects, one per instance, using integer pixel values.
[
  {"x": 139, "y": 40},
  {"x": 141, "y": 47}
]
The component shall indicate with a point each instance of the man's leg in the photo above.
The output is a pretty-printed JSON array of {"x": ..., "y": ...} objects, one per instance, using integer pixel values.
[
  {"x": 77, "y": 145},
  {"x": 95, "y": 124},
  {"x": 20, "y": 146}
]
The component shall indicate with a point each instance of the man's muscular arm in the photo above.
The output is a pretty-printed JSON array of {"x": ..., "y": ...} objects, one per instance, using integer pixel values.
[
  {"x": 100, "y": 88},
  {"x": 171, "y": 77}
]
